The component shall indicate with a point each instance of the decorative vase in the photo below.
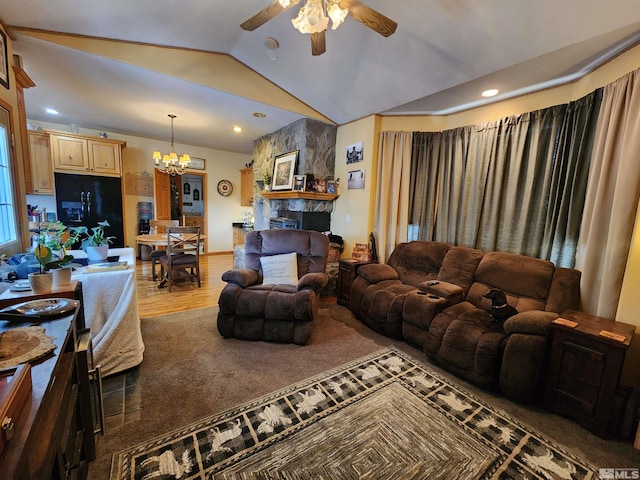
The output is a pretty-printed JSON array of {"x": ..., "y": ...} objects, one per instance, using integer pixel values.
[
  {"x": 41, "y": 282},
  {"x": 61, "y": 276},
  {"x": 97, "y": 254}
]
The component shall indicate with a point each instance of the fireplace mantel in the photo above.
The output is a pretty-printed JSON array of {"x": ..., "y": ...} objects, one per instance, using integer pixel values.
[{"x": 293, "y": 194}]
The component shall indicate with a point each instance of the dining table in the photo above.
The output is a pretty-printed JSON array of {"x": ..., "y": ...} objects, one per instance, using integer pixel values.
[
  {"x": 158, "y": 239},
  {"x": 161, "y": 240}
]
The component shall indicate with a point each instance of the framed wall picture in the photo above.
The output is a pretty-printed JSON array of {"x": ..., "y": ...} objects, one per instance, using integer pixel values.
[
  {"x": 355, "y": 153},
  {"x": 299, "y": 182},
  {"x": 197, "y": 163},
  {"x": 355, "y": 180},
  {"x": 283, "y": 170},
  {"x": 4, "y": 60}
]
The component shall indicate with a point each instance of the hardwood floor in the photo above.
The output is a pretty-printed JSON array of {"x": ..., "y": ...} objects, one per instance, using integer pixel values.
[{"x": 154, "y": 301}]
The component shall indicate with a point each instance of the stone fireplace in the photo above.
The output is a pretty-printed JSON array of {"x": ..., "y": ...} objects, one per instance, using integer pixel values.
[{"x": 316, "y": 143}]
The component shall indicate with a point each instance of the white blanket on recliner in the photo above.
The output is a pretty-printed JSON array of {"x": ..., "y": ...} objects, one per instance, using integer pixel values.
[{"x": 111, "y": 312}]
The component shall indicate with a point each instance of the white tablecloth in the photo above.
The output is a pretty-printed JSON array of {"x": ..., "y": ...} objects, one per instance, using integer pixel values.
[{"x": 111, "y": 312}]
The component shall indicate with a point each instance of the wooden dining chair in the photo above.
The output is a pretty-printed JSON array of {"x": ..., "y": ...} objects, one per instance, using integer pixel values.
[
  {"x": 159, "y": 252},
  {"x": 183, "y": 252}
]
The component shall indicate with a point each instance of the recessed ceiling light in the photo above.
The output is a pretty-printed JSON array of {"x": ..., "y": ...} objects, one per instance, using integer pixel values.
[
  {"x": 259, "y": 115},
  {"x": 53, "y": 111},
  {"x": 491, "y": 92},
  {"x": 237, "y": 129}
]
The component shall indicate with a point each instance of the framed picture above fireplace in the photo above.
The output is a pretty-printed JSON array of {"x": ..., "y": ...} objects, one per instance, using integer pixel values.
[{"x": 283, "y": 169}]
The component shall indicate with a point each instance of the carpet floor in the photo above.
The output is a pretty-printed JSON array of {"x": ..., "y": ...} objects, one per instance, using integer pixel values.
[
  {"x": 189, "y": 372},
  {"x": 383, "y": 416}
]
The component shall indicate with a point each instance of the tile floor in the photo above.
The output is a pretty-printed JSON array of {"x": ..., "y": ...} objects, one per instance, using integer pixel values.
[{"x": 122, "y": 399}]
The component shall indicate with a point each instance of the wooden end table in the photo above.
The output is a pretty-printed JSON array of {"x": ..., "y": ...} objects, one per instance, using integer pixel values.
[
  {"x": 587, "y": 353},
  {"x": 347, "y": 271}
]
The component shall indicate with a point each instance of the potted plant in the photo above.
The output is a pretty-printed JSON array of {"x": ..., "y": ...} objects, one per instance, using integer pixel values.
[
  {"x": 97, "y": 243},
  {"x": 266, "y": 177},
  {"x": 51, "y": 251}
]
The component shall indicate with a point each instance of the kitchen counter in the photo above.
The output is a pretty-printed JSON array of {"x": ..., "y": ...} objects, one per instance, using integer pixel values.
[
  {"x": 239, "y": 232},
  {"x": 242, "y": 226}
]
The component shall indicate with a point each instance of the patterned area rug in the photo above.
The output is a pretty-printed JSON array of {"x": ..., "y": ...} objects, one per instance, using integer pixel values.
[{"x": 383, "y": 416}]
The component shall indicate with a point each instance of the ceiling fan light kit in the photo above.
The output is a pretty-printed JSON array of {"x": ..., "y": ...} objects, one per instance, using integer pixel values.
[{"x": 313, "y": 18}]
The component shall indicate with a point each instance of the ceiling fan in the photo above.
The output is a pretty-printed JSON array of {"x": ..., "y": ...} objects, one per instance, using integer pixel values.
[{"x": 314, "y": 16}]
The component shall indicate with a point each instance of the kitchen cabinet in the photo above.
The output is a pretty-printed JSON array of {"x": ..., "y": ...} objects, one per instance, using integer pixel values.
[
  {"x": 246, "y": 187},
  {"x": 41, "y": 165},
  {"x": 91, "y": 155},
  {"x": 239, "y": 233},
  {"x": 194, "y": 221}
]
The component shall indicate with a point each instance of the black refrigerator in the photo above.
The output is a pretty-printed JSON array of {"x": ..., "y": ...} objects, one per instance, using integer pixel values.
[{"x": 89, "y": 199}]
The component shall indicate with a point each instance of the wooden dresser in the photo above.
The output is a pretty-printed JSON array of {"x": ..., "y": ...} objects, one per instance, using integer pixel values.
[{"x": 53, "y": 434}]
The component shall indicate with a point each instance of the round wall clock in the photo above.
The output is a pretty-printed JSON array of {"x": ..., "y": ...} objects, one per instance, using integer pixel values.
[{"x": 225, "y": 188}]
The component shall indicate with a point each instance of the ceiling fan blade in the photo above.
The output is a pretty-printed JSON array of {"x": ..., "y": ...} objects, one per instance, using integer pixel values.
[
  {"x": 370, "y": 17},
  {"x": 318, "y": 45},
  {"x": 263, "y": 16}
]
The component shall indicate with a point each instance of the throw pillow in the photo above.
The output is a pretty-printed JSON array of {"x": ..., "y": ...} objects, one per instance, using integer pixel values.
[{"x": 280, "y": 269}]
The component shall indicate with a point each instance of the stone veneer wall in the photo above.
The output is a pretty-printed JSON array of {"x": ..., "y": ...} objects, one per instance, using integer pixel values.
[{"x": 316, "y": 142}]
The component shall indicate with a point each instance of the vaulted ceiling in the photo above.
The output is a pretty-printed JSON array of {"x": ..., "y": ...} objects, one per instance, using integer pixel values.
[{"x": 122, "y": 66}]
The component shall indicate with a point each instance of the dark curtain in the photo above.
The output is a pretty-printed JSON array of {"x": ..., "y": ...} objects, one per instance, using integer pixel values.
[{"x": 513, "y": 185}]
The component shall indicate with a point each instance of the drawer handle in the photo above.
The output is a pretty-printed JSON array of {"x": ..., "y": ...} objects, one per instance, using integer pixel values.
[{"x": 8, "y": 428}]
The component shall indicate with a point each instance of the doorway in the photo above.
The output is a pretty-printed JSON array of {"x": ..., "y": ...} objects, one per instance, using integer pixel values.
[{"x": 183, "y": 198}]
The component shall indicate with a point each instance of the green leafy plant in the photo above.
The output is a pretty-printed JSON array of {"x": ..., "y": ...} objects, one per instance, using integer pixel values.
[
  {"x": 266, "y": 177},
  {"x": 56, "y": 237},
  {"x": 48, "y": 260},
  {"x": 97, "y": 238}
]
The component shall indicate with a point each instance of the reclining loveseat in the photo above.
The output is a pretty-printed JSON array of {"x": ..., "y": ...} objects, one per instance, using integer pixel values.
[
  {"x": 447, "y": 315},
  {"x": 275, "y": 298}
]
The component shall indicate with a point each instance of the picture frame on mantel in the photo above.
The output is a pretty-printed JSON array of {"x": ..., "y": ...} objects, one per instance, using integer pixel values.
[
  {"x": 4, "y": 60},
  {"x": 283, "y": 169}
]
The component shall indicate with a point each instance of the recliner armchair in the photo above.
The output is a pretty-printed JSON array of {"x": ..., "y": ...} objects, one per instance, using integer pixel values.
[{"x": 250, "y": 310}]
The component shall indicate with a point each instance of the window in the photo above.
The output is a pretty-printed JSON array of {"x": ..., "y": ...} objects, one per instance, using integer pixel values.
[{"x": 8, "y": 229}]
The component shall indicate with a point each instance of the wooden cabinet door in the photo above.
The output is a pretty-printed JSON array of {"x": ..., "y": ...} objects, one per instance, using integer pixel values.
[
  {"x": 41, "y": 165},
  {"x": 104, "y": 158},
  {"x": 246, "y": 187},
  {"x": 69, "y": 153},
  {"x": 162, "y": 194}
]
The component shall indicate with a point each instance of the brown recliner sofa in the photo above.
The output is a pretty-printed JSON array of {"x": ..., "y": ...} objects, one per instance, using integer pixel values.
[
  {"x": 464, "y": 339},
  {"x": 250, "y": 310},
  {"x": 452, "y": 323},
  {"x": 379, "y": 291}
]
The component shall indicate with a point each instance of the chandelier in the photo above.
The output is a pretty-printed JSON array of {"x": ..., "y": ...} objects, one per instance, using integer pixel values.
[
  {"x": 171, "y": 164},
  {"x": 314, "y": 16}
]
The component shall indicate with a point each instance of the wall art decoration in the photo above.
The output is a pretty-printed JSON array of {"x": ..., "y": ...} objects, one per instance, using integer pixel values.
[
  {"x": 355, "y": 153},
  {"x": 355, "y": 181},
  {"x": 283, "y": 169},
  {"x": 299, "y": 182},
  {"x": 197, "y": 163}
]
